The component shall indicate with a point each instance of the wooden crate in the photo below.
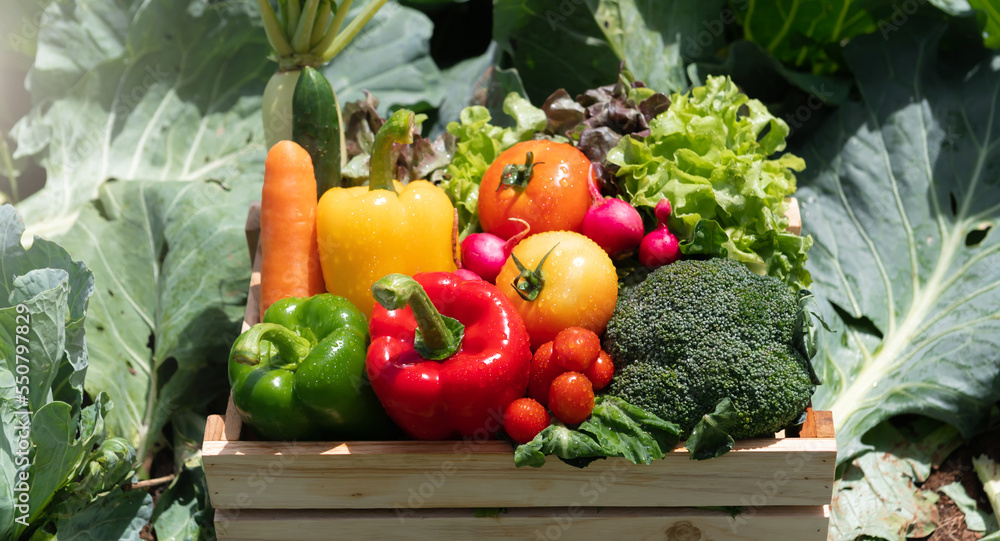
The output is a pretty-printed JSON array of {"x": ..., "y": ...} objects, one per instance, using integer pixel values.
[{"x": 437, "y": 490}]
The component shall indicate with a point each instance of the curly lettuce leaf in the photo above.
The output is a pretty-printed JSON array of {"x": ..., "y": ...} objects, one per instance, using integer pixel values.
[
  {"x": 614, "y": 429},
  {"x": 479, "y": 143},
  {"x": 710, "y": 155}
]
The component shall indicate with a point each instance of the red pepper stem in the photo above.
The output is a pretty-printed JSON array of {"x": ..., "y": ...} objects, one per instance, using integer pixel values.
[
  {"x": 279, "y": 346},
  {"x": 398, "y": 129},
  {"x": 437, "y": 337}
]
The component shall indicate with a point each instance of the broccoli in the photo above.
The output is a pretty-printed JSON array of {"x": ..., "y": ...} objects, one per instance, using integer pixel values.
[{"x": 695, "y": 332}]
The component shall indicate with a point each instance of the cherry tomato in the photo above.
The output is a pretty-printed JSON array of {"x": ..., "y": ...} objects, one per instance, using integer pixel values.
[
  {"x": 543, "y": 371},
  {"x": 524, "y": 419},
  {"x": 575, "y": 348},
  {"x": 577, "y": 284},
  {"x": 571, "y": 397},
  {"x": 553, "y": 194},
  {"x": 600, "y": 371}
]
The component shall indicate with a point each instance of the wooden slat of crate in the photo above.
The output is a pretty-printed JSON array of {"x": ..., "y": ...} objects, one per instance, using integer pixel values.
[
  {"x": 321, "y": 475},
  {"x": 578, "y": 524}
]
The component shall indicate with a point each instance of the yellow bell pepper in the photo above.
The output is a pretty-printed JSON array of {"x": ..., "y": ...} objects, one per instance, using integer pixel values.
[{"x": 367, "y": 232}]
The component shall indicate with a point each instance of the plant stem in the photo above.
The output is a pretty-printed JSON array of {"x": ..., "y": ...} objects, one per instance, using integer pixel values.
[
  {"x": 8, "y": 164},
  {"x": 303, "y": 32},
  {"x": 321, "y": 24},
  {"x": 398, "y": 129},
  {"x": 275, "y": 34},
  {"x": 352, "y": 30},
  {"x": 294, "y": 12},
  {"x": 335, "y": 24},
  {"x": 439, "y": 339}
]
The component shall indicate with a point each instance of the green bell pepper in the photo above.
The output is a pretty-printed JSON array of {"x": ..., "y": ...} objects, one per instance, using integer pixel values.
[{"x": 300, "y": 374}]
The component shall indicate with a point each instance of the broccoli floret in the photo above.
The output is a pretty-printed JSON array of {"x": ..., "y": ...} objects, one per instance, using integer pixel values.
[{"x": 697, "y": 331}]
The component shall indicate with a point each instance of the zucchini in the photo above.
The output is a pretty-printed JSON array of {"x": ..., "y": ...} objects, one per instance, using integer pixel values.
[{"x": 316, "y": 127}]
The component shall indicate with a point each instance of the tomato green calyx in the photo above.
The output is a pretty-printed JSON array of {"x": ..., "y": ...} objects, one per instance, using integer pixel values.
[
  {"x": 271, "y": 343},
  {"x": 518, "y": 175},
  {"x": 530, "y": 282},
  {"x": 398, "y": 129},
  {"x": 437, "y": 337}
]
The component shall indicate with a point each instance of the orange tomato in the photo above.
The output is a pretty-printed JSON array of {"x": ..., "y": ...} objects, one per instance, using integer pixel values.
[
  {"x": 555, "y": 195},
  {"x": 579, "y": 285}
]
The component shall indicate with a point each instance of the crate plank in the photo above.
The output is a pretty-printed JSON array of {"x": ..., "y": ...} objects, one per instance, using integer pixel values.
[
  {"x": 579, "y": 524},
  {"x": 289, "y": 475}
]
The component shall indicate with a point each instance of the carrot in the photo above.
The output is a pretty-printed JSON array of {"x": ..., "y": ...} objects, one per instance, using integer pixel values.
[{"x": 289, "y": 253}]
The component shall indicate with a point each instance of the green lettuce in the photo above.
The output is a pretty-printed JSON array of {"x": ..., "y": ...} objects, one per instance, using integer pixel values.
[
  {"x": 710, "y": 155},
  {"x": 479, "y": 143}
]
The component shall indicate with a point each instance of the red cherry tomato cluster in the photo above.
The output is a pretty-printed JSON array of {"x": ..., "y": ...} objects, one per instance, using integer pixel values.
[{"x": 565, "y": 374}]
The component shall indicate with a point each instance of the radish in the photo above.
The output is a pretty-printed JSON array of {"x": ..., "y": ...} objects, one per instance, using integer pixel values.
[
  {"x": 660, "y": 246},
  {"x": 466, "y": 274},
  {"x": 485, "y": 253},
  {"x": 613, "y": 224}
]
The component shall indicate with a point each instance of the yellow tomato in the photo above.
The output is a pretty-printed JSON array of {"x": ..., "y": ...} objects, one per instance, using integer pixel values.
[{"x": 578, "y": 287}]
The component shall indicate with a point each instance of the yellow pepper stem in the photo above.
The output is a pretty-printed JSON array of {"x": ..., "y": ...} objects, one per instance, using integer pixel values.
[{"x": 398, "y": 129}]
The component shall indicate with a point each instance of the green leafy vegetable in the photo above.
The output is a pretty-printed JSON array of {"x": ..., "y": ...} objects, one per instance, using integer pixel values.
[
  {"x": 903, "y": 208},
  {"x": 71, "y": 459},
  {"x": 710, "y": 437},
  {"x": 975, "y": 520},
  {"x": 614, "y": 429},
  {"x": 710, "y": 155}
]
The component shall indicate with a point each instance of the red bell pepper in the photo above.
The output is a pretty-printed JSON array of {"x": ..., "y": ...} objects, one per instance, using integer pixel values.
[{"x": 444, "y": 373}]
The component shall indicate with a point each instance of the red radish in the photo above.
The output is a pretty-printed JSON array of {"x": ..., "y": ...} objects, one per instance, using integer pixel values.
[
  {"x": 485, "y": 253},
  {"x": 660, "y": 246},
  {"x": 613, "y": 224}
]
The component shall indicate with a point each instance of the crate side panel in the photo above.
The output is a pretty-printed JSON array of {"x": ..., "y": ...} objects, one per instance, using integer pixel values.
[
  {"x": 262, "y": 475},
  {"x": 579, "y": 524}
]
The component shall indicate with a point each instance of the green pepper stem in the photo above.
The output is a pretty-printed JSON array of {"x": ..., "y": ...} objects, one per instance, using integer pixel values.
[
  {"x": 398, "y": 129},
  {"x": 269, "y": 342},
  {"x": 440, "y": 335}
]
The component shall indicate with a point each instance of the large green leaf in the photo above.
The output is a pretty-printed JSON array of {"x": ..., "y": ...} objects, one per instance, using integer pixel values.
[
  {"x": 116, "y": 516},
  {"x": 578, "y": 45},
  {"x": 141, "y": 90},
  {"x": 391, "y": 59},
  {"x": 654, "y": 37},
  {"x": 172, "y": 264},
  {"x": 808, "y": 34},
  {"x": 554, "y": 45},
  {"x": 903, "y": 201}
]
